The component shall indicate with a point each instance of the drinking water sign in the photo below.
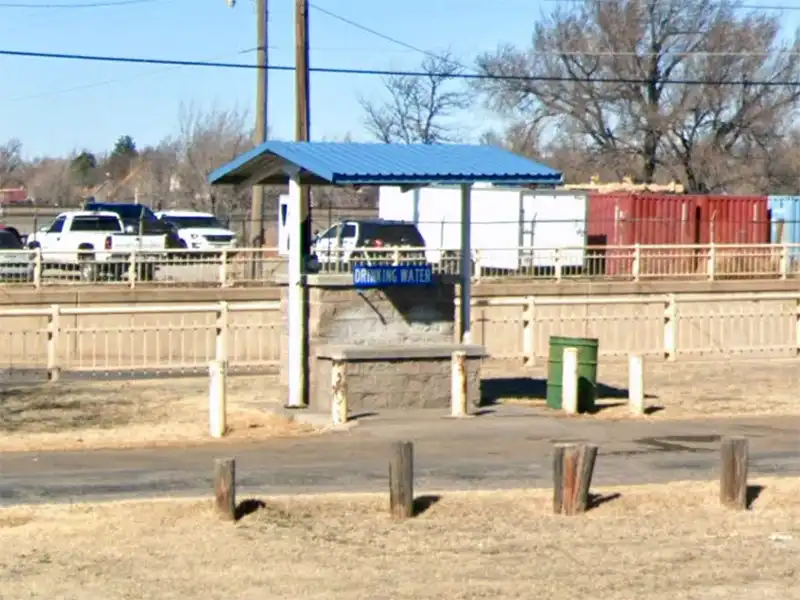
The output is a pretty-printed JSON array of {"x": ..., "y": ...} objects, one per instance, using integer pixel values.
[{"x": 385, "y": 276}]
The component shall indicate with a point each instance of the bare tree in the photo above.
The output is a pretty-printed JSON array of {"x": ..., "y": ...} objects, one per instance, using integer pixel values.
[
  {"x": 153, "y": 175},
  {"x": 604, "y": 72},
  {"x": 50, "y": 181},
  {"x": 11, "y": 163},
  {"x": 418, "y": 108},
  {"x": 206, "y": 141}
]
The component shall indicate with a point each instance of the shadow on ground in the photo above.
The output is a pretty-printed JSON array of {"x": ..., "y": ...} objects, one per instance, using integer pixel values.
[
  {"x": 48, "y": 408},
  {"x": 496, "y": 390},
  {"x": 423, "y": 503},
  {"x": 753, "y": 492},
  {"x": 248, "y": 507},
  {"x": 597, "y": 500}
]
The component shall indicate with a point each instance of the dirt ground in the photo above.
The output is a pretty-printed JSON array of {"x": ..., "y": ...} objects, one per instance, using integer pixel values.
[
  {"x": 652, "y": 542},
  {"x": 124, "y": 414},
  {"x": 676, "y": 390}
]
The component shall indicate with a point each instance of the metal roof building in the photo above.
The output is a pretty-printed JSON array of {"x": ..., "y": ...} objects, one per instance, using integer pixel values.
[
  {"x": 334, "y": 163},
  {"x": 357, "y": 164}
]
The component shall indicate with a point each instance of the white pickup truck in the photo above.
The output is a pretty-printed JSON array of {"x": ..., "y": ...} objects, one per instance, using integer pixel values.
[{"x": 95, "y": 243}]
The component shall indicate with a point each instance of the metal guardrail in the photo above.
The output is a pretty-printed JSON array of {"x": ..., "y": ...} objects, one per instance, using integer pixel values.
[{"x": 261, "y": 266}]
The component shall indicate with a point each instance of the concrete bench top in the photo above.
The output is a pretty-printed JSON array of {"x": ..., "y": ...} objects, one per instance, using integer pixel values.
[{"x": 397, "y": 352}]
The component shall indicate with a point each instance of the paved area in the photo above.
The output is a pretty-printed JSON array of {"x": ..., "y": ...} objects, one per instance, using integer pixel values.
[{"x": 506, "y": 448}]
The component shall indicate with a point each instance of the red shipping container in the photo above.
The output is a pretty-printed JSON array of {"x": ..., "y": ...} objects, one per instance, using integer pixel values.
[
  {"x": 733, "y": 219},
  {"x": 647, "y": 219},
  {"x": 662, "y": 219}
]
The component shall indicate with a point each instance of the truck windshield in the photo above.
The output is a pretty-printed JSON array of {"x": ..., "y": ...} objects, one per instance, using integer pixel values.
[
  {"x": 95, "y": 224},
  {"x": 193, "y": 222}
]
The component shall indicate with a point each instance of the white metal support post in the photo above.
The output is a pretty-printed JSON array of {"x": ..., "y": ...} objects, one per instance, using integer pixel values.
[
  {"x": 465, "y": 333},
  {"x": 297, "y": 365}
]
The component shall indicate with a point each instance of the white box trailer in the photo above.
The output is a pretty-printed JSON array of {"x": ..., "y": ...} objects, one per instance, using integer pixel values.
[{"x": 511, "y": 228}]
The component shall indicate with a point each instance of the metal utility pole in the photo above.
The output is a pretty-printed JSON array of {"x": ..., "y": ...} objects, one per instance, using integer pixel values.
[
  {"x": 302, "y": 109},
  {"x": 262, "y": 58},
  {"x": 262, "y": 61}
]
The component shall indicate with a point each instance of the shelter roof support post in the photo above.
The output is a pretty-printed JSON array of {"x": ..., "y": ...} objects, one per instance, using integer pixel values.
[
  {"x": 297, "y": 308},
  {"x": 465, "y": 318}
]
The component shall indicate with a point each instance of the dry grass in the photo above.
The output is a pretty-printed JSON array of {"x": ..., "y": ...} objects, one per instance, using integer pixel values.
[
  {"x": 124, "y": 414},
  {"x": 680, "y": 390},
  {"x": 654, "y": 542}
]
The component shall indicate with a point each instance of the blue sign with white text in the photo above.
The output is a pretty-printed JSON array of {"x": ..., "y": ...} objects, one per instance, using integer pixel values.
[{"x": 384, "y": 276}]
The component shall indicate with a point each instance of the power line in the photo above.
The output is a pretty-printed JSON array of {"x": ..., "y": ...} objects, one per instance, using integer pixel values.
[
  {"x": 589, "y": 53},
  {"x": 105, "y": 82},
  {"x": 390, "y": 73},
  {"x": 371, "y": 31},
  {"x": 777, "y": 7},
  {"x": 101, "y": 4},
  {"x": 572, "y": 53}
]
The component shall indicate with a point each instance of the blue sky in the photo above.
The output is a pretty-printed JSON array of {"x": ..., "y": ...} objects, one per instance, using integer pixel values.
[{"x": 55, "y": 106}]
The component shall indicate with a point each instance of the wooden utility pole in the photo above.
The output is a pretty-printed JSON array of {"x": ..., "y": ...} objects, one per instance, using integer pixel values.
[
  {"x": 262, "y": 59},
  {"x": 302, "y": 109}
]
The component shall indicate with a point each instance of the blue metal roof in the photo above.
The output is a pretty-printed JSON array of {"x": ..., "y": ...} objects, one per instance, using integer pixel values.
[{"x": 344, "y": 163}]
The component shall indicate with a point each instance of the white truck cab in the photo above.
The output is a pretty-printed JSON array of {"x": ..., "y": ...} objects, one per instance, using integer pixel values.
[
  {"x": 95, "y": 242},
  {"x": 199, "y": 230}
]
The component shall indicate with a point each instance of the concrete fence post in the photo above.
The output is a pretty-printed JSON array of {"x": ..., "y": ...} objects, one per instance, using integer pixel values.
[
  {"x": 338, "y": 393},
  {"x": 223, "y": 268},
  {"x": 38, "y": 267},
  {"x": 53, "y": 335},
  {"x": 636, "y": 384},
  {"x": 711, "y": 268},
  {"x": 636, "y": 265},
  {"x": 569, "y": 381},
  {"x": 217, "y": 398},
  {"x": 458, "y": 387},
  {"x": 671, "y": 327},
  {"x": 222, "y": 326}
]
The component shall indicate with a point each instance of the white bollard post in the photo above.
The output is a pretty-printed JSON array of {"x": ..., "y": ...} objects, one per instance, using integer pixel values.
[
  {"x": 569, "y": 378},
  {"x": 458, "y": 386},
  {"x": 217, "y": 398},
  {"x": 338, "y": 393},
  {"x": 636, "y": 384}
]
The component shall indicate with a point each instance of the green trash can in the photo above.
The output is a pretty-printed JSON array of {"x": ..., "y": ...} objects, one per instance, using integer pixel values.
[{"x": 587, "y": 371}]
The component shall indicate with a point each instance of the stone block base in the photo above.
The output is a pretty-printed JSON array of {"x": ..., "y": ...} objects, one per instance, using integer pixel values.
[{"x": 394, "y": 376}]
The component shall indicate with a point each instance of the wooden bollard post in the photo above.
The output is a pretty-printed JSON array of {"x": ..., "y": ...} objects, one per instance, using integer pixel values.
[
  {"x": 217, "y": 398},
  {"x": 401, "y": 480},
  {"x": 636, "y": 384},
  {"x": 733, "y": 473},
  {"x": 573, "y": 467},
  {"x": 569, "y": 381},
  {"x": 225, "y": 488},
  {"x": 458, "y": 387},
  {"x": 338, "y": 393}
]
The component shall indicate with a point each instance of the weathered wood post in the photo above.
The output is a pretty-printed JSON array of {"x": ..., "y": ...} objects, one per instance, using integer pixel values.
[
  {"x": 636, "y": 385},
  {"x": 573, "y": 467},
  {"x": 401, "y": 480},
  {"x": 569, "y": 381},
  {"x": 217, "y": 398},
  {"x": 225, "y": 488},
  {"x": 733, "y": 473},
  {"x": 458, "y": 388},
  {"x": 338, "y": 393}
]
